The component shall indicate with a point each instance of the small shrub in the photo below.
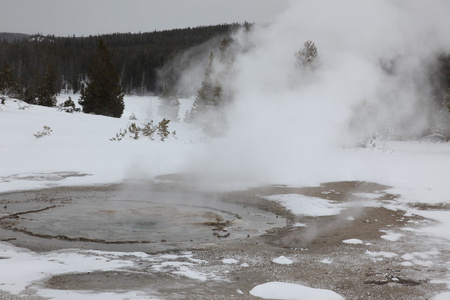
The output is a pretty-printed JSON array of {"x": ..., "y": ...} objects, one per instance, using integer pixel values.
[
  {"x": 147, "y": 130},
  {"x": 23, "y": 107},
  {"x": 376, "y": 143},
  {"x": 132, "y": 117},
  {"x": 68, "y": 106},
  {"x": 434, "y": 138},
  {"x": 163, "y": 130},
  {"x": 134, "y": 131},
  {"x": 47, "y": 131},
  {"x": 119, "y": 136}
]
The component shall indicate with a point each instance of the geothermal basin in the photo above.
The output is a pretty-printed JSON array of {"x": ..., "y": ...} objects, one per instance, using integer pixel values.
[
  {"x": 133, "y": 216},
  {"x": 232, "y": 241}
]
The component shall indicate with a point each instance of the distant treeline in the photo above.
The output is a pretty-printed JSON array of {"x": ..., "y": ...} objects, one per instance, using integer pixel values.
[{"x": 136, "y": 56}]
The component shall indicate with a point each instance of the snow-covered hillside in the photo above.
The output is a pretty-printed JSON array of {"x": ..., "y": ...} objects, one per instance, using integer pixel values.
[{"x": 79, "y": 151}]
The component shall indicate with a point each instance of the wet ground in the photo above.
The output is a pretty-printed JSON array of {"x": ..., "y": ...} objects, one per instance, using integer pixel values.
[{"x": 169, "y": 217}]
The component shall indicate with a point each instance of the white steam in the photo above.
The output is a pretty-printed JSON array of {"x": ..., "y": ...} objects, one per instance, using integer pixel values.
[{"x": 286, "y": 126}]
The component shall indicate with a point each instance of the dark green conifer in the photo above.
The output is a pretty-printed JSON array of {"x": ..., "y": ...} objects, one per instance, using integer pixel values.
[
  {"x": 8, "y": 83},
  {"x": 208, "y": 96},
  {"x": 169, "y": 105},
  {"x": 31, "y": 90},
  {"x": 46, "y": 93},
  {"x": 103, "y": 93}
]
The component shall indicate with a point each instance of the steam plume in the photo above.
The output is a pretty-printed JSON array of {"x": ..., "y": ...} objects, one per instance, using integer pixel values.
[{"x": 287, "y": 126}]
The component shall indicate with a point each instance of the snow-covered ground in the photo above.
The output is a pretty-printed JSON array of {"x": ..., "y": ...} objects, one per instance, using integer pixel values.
[
  {"x": 78, "y": 151},
  {"x": 79, "y": 144}
]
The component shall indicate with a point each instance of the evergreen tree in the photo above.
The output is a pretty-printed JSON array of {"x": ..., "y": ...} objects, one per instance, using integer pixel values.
[
  {"x": 445, "y": 70},
  {"x": 169, "y": 105},
  {"x": 103, "y": 93},
  {"x": 224, "y": 44},
  {"x": 8, "y": 83},
  {"x": 208, "y": 96},
  {"x": 31, "y": 90},
  {"x": 307, "y": 58},
  {"x": 139, "y": 56},
  {"x": 46, "y": 93},
  {"x": 208, "y": 108}
]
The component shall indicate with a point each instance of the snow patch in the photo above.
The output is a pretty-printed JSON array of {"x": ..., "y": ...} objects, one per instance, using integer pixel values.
[
  {"x": 297, "y": 225},
  {"x": 382, "y": 253},
  {"x": 282, "y": 260},
  {"x": 229, "y": 261},
  {"x": 442, "y": 296},
  {"x": 25, "y": 267},
  {"x": 353, "y": 241},
  {"x": 440, "y": 228},
  {"x": 372, "y": 196},
  {"x": 72, "y": 295},
  {"x": 326, "y": 261},
  {"x": 307, "y": 206},
  {"x": 391, "y": 236},
  {"x": 419, "y": 258},
  {"x": 291, "y": 291}
]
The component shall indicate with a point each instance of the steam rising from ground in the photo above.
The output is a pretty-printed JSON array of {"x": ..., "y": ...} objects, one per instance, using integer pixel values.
[{"x": 287, "y": 126}]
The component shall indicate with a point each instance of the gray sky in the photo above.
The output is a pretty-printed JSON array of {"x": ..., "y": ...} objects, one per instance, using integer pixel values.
[{"x": 91, "y": 17}]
